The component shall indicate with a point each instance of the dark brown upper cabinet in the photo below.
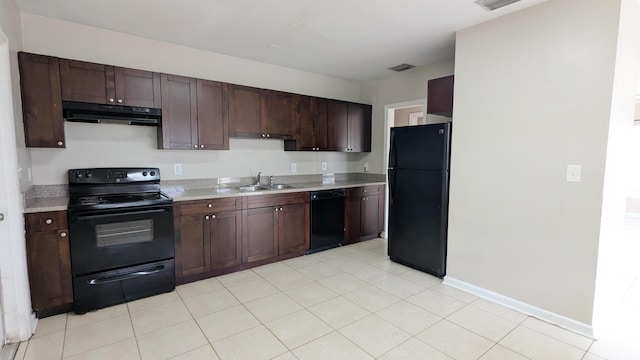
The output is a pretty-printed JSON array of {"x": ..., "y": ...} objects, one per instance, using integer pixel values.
[
  {"x": 193, "y": 114},
  {"x": 213, "y": 127},
  {"x": 311, "y": 118},
  {"x": 179, "y": 129},
  {"x": 440, "y": 96},
  {"x": 105, "y": 84},
  {"x": 41, "y": 100},
  {"x": 244, "y": 111},
  {"x": 276, "y": 114},
  {"x": 260, "y": 113},
  {"x": 349, "y": 126}
]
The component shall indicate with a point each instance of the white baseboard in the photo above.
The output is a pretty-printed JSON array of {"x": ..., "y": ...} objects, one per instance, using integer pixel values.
[{"x": 542, "y": 314}]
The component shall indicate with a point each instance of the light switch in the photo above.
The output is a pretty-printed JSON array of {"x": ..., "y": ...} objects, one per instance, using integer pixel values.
[
  {"x": 324, "y": 166},
  {"x": 177, "y": 169},
  {"x": 294, "y": 167},
  {"x": 573, "y": 173}
]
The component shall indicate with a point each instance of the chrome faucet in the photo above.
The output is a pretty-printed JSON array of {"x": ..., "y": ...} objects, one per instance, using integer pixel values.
[{"x": 258, "y": 178}]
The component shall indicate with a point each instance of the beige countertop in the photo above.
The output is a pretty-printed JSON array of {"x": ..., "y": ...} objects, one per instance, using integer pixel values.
[
  {"x": 181, "y": 194},
  {"x": 54, "y": 197}
]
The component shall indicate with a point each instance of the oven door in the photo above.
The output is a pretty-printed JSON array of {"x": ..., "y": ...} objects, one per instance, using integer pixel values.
[{"x": 111, "y": 239}]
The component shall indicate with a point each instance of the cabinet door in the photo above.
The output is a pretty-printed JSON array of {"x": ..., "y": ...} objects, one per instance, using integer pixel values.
[
  {"x": 41, "y": 100},
  {"x": 260, "y": 234},
  {"x": 194, "y": 246},
  {"x": 370, "y": 215},
  {"x": 179, "y": 129},
  {"x": 137, "y": 88},
  {"x": 352, "y": 218},
  {"x": 306, "y": 134},
  {"x": 226, "y": 239},
  {"x": 312, "y": 123},
  {"x": 319, "y": 117},
  {"x": 87, "y": 82},
  {"x": 359, "y": 124},
  {"x": 338, "y": 126},
  {"x": 49, "y": 262},
  {"x": 244, "y": 111},
  {"x": 440, "y": 96},
  {"x": 213, "y": 131},
  {"x": 277, "y": 114},
  {"x": 293, "y": 228}
]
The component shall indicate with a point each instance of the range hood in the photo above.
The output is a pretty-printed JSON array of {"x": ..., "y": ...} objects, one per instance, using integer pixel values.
[{"x": 115, "y": 114}]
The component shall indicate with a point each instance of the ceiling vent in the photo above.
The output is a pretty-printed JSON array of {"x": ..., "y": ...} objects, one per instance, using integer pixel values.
[
  {"x": 491, "y": 5},
  {"x": 401, "y": 67}
]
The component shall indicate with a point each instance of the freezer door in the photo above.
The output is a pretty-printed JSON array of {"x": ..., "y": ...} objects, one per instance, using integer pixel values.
[
  {"x": 423, "y": 147},
  {"x": 418, "y": 219}
]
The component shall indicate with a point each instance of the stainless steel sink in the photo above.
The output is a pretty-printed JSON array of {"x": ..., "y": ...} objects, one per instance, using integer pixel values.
[
  {"x": 276, "y": 187},
  {"x": 249, "y": 188}
]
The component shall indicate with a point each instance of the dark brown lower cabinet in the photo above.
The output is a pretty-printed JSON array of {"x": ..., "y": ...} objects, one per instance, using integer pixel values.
[
  {"x": 260, "y": 236},
  {"x": 364, "y": 213},
  {"x": 208, "y": 236},
  {"x": 49, "y": 262},
  {"x": 275, "y": 225}
]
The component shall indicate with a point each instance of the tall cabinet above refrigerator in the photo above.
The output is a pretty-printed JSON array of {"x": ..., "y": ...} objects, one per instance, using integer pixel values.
[{"x": 418, "y": 179}]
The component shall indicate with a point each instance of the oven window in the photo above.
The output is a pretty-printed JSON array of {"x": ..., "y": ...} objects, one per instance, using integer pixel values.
[{"x": 126, "y": 232}]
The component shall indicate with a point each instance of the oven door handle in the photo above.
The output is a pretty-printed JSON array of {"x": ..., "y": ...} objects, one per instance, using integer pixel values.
[
  {"x": 135, "y": 274},
  {"x": 87, "y": 217}
]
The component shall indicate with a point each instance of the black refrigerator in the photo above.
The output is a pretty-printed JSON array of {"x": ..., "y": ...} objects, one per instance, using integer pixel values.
[{"x": 419, "y": 196}]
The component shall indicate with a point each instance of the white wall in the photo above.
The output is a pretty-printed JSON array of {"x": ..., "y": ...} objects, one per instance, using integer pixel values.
[
  {"x": 93, "y": 145},
  {"x": 392, "y": 89},
  {"x": 533, "y": 94},
  {"x": 15, "y": 308}
]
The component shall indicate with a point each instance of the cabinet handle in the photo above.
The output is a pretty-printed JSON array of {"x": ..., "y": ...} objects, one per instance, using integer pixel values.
[
  {"x": 268, "y": 135},
  {"x": 201, "y": 146},
  {"x": 119, "y": 101},
  {"x": 206, "y": 217},
  {"x": 280, "y": 209},
  {"x": 276, "y": 209},
  {"x": 263, "y": 135},
  {"x": 48, "y": 221},
  {"x": 213, "y": 216},
  {"x": 364, "y": 190},
  {"x": 60, "y": 143},
  {"x": 111, "y": 100},
  {"x": 209, "y": 206},
  {"x": 63, "y": 234},
  {"x": 195, "y": 146}
]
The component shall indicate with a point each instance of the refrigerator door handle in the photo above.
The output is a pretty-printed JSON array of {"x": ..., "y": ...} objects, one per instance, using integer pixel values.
[
  {"x": 392, "y": 182},
  {"x": 393, "y": 157}
]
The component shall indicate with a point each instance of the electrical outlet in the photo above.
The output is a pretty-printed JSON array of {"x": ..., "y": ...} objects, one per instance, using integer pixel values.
[
  {"x": 324, "y": 166},
  {"x": 177, "y": 169},
  {"x": 366, "y": 167},
  {"x": 573, "y": 173},
  {"x": 294, "y": 167}
]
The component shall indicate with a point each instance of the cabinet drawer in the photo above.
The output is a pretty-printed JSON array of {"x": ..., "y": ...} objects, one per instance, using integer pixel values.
[
  {"x": 46, "y": 221},
  {"x": 365, "y": 190},
  {"x": 251, "y": 202},
  {"x": 207, "y": 206}
]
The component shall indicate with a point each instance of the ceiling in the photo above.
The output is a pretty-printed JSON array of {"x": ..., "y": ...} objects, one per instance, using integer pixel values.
[{"x": 351, "y": 39}]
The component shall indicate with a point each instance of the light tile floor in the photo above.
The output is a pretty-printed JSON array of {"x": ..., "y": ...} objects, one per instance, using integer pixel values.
[{"x": 345, "y": 303}]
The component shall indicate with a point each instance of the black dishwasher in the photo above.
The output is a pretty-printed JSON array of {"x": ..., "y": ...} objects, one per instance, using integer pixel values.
[{"x": 327, "y": 219}]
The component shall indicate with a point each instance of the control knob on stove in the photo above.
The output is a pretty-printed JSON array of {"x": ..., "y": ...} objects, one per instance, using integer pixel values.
[
  {"x": 88, "y": 174},
  {"x": 153, "y": 173},
  {"x": 144, "y": 173},
  {"x": 77, "y": 175}
]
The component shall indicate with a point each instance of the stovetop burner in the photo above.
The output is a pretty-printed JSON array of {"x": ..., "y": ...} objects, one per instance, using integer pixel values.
[
  {"x": 113, "y": 188},
  {"x": 115, "y": 199}
]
